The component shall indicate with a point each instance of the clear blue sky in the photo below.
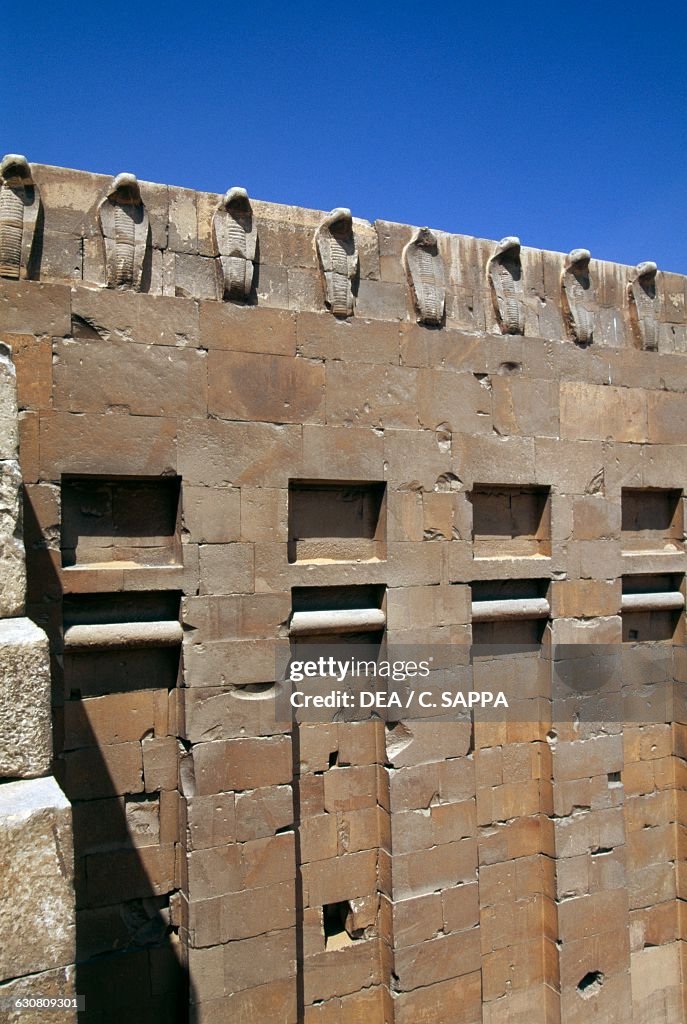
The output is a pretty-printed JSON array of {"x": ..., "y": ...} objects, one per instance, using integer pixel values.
[{"x": 564, "y": 123}]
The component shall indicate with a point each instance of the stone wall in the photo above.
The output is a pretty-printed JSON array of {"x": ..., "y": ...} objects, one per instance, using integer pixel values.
[{"x": 207, "y": 388}]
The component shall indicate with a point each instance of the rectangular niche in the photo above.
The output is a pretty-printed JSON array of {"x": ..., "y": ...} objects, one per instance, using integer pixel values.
[
  {"x": 334, "y": 615},
  {"x": 337, "y": 521},
  {"x": 652, "y": 607},
  {"x": 119, "y": 522},
  {"x": 510, "y": 612},
  {"x": 652, "y": 521},
  {"x": 510, "y": 521},
  {"x": 115, "y": 643}
]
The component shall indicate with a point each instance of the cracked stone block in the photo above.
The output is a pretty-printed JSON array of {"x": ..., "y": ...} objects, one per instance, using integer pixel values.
[
  {"x": 25, "y": 725},
  {"x": 12, "y": 564},
  {"x": 37, "y": 864},
  {"x": 8, "y": 405}
]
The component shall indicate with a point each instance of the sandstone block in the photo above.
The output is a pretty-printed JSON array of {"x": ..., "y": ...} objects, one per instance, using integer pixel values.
[
  {"x": 441, "y": 867},
  {"x": 30, "y": 307},
  {"x": 218, "y": 713},
  {"x": 417, "y": 919},
  {"x": 226, "y": 568},
  {"x": 215, "y": 453},
  {"x": 460, "y": 907},
  {"x": 242, "y": 764},
  {"x": 349, "y": 453},
  {"x": 415, "y": 743},
  {"x": 8, "y": 404},
  {"x": 382, "y": 300},
  {"x": 106, "y": 445},
  {"x": 127, "y": 315},
  {"x": 611, "y": 413},
  {"x": 111, "y": 770},
  {"x": 120, "y": 875},
  {"x": 526, "y": 407},
  {"x": 458, "y": 400},
  {"x": 230, "y": 327},
  {"x": 321, "y": 336},
  {"x": 264, "y": 514},
  {"x": 387, "y": 398},
  {"x": 437, "y": 960},
  {"x": 276, "y": 1000},
  {"x": 457, "y": 1000},
  {"x": 195, "y": 277},
  {"x": 339, "y": 972},
  {"x": 37, "y": 894},
  {"x": 239, "y": 661},
  {"x": 340, "y": 878},
  {"x": 160, "y": 763},
  {"x": 249, "y": 963},
  {"x": 115, "y": 718},
  {"x": 25, "y": 721}
]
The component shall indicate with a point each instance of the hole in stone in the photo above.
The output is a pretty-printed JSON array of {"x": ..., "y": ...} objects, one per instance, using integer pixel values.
[
  {"x": 510, "y": 521},
  {"x": 591, "y": 984},
  {"x": 253, "y": 691},
  {"x": 334, "y": 917},
  {"x": 652, "y": 520},
  {"x": 331, "y": 521},
  {"x": 333, "y": 758},
  {"x": 614, "y": 777}
]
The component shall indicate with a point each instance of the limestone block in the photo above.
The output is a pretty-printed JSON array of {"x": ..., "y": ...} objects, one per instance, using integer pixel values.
[
  {"x": 37, "y": 867},
  {"x": 12, "y": 569},
  {"x": 25, "y": 736},
  {"x": 8, "y": 405}
]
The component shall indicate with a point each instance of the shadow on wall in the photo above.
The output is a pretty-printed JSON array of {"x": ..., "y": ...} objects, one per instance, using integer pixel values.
[{"x": 118, "y": 765}]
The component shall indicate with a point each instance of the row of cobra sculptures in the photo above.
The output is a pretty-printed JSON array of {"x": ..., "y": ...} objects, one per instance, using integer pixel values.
[{"x": 123, "y": 221}]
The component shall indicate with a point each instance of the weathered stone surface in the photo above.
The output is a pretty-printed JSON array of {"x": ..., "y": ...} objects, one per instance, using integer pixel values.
[
  {"x": 579, "y": 299},
  {"x": 336, "y": 248},
  {"x": 106, "y": 444},
  {"x": 59, "y": 984},
  {"x": 25, "y": 726},
  {"x": 425, "y": 270},
  {"x": 437, "y": 865},
  {"x": 505, "y": 276},
  {"x": 20, "y": 202},
  {"x": 276, "y": 389},
  {"x": 12, "y": 568},
  {"x": 126, "y": 233},
  {"x": 235, "y": 235},
  {"x": 37, "y": 866},
  {"x": 8, "y": 405}
]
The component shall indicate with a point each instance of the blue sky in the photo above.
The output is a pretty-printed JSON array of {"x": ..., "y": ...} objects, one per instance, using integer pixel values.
[{"x": 564, "y": 123}]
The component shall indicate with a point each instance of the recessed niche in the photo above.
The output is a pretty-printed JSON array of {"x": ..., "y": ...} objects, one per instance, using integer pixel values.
[
  {"x": 647, "y": 613},
  {"x": 518, "y": 612},
  {"x": 337, "y": 924},
  {"x": 652, "y": 520},
  {"x": 117, "y": 522},
  {"x": 125, "y": 642},
  {"x": 510, "y": 521},
  {"x": 336, "y": 615},
  {"x": 333, "y": 521}
]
